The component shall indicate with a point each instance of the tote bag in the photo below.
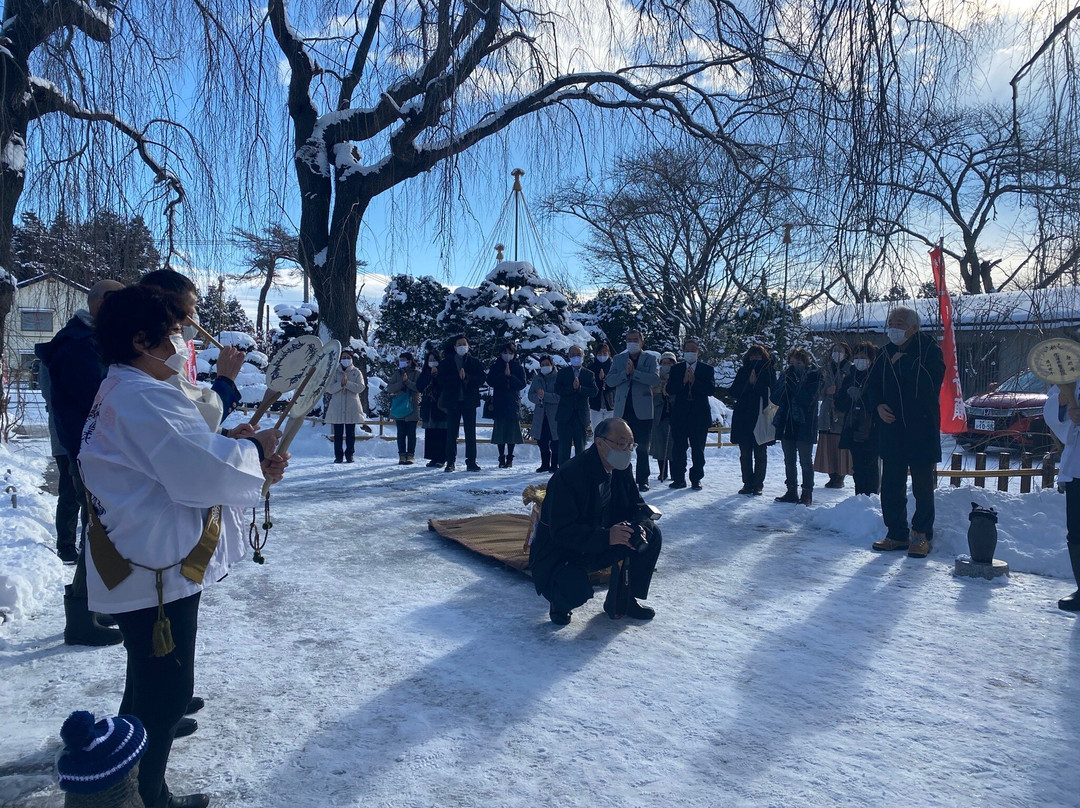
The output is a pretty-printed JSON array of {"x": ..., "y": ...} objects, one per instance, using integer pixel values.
[
  {"x": 401, "y": 406},
  {"x": 764, "y": 430}
]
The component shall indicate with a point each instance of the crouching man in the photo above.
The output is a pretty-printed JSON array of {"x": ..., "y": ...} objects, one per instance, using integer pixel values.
[{"x": 593, "y": 517}]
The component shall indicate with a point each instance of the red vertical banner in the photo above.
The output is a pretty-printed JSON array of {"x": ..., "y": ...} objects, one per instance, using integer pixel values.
[
  {"x": 190, "y": 368},
  {"x": 953, "y": 414}
]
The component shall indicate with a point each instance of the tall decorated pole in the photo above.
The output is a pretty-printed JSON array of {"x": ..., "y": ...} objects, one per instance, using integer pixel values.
[{"x": 953, "y": 414}]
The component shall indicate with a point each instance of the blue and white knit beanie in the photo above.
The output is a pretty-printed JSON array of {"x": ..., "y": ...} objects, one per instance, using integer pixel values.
[{"x": 98, "y": 755}]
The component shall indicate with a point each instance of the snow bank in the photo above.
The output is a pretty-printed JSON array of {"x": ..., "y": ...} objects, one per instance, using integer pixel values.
[
  {"x": 1031, "y": 527},
  {"x": 32, "y": 575}
]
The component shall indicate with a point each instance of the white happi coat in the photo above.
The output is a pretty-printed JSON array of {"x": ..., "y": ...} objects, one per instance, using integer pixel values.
[
  {"x": 154, "y": 469},
  {"x": 1067, "y": 432}
]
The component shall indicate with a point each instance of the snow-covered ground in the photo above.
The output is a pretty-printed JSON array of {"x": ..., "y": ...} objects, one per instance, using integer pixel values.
[{"x": 371, "y": 663}]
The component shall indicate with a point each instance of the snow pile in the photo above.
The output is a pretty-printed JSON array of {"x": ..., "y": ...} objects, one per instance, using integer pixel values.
[
  {"x": 1031, "y": 527},
  {"x": 237, "y": 339},
  {"x": 32, "y": 577}
]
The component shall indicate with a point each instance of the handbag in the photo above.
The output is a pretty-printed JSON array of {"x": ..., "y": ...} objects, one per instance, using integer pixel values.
[
  {"x": 764, "y": 429},
  {"x": 401, "y": 406}
]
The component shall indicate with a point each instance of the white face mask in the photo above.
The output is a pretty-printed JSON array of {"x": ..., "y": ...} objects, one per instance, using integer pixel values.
[
  {"x": 665, "y": 370},
  {"x": 690, "y": 357},
  {"x": 633, "y": 347},
  {"x": 837, "y": 357},
  {"x": 546, "y": 369},
  {"x": 862, "y": 364},
  {"x": 403, "y": 363},
  {"x": 897, "y": 336},
  {"x": 461, "y": 350},
  {"x": 176, "y": 362},
  {"x": 506, "y": 357},
  {"x": 619, "y": 459},
  {"x": 189, "y": 332},
  {"x": 603, "y": 358},
  {"x": 432, "y": 364},
  {"x": 575, "y": 361}
]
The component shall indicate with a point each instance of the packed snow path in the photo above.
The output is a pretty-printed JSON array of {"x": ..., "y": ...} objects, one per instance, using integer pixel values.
[{"x": 371, "y": 663}]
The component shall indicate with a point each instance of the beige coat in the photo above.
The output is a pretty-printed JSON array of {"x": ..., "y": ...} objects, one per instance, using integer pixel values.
[{"x": 345, "y": 389}]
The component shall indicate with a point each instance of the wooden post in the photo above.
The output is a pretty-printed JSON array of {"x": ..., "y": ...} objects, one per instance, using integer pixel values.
[
  {"x": 1004, "y": 462},
  {"x": 1048, "y": 472},
  {"x": 380, "y": 425},
  {"x": 980, "y": 465},
  {"x": 1025, "y": 481},
  {"x": 957, "y": 465}
]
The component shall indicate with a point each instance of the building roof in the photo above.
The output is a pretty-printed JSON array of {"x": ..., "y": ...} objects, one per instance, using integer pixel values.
[
  {"x": 1014, "y": 311},
  {"x": 53, "y": 276}
]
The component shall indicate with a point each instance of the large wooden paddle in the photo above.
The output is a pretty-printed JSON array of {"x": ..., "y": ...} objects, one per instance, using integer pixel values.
[
  {"x": 287, "y": 370},
  {"x": 1057, "y": 361}
]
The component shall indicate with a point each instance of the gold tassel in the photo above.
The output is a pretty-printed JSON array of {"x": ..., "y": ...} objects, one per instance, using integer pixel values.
[{"x": 163, "y": 639}]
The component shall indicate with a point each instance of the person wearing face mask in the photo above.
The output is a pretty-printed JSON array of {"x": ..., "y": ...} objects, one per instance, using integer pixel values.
[
  {"x": 405, "y": 406},
  {"x": 859, "y": 436},
  {"x": 591, "y": 511},
  {"x": 796, "y": 396},
  {"x": 690, "y": 386},
  {"x": 751, "y": 388},
  {"x": 830, "y": 458},
  {"x": 344, "y": 411},
  {"x": 222, "y": 397},
  {"x": 75, "y": 369},
  {"x": 168, "y": 500},
  {"x": 545, "y": 401},
  {"x": 602, "y": 404},
  {"x": 506, "y": 378},
  {"x": 903, "y": 391},
  {"x": 633, "y": 375},
  {"x": 461, "y": 381},
  {"x": 575, "y": 385},
  {"x": 433, "y": 416},
  {"x": 660, "y": 437}
]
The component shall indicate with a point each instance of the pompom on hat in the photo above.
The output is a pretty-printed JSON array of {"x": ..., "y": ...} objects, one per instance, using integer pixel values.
[{"x": 98, "y": 755}]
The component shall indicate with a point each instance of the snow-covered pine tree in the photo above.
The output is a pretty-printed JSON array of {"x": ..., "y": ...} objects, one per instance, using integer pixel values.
[
  {"x": 408, "y": 309},
  {"x": 513, "y": 303}
]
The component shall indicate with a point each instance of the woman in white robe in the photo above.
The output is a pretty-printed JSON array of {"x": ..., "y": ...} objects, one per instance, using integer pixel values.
[{"x": 156, "y": 473}]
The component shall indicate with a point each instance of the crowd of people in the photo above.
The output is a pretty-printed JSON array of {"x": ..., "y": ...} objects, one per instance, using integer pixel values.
[{"x": 162, "y": 485}]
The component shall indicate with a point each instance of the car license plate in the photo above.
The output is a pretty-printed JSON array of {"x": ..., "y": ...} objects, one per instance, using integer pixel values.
[{"x": 984, "y": 424}]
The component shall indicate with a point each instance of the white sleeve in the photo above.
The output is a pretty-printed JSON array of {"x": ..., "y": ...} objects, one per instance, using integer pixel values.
[
  {"x": 164, "y": 436},
  {"x": 1050, "y": 413}
]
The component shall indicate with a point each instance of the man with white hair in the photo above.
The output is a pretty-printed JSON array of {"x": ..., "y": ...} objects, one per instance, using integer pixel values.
[{"x": 902, "y": 390}]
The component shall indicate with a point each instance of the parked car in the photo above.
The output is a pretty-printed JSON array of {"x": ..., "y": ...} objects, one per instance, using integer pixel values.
[{"x": 1009, "y": 414}]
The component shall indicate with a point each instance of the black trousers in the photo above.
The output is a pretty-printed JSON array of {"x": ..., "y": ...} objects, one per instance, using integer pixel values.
[
  {"x": 435, "y": 444},
  {"x": 865, "y": 467},
  {"x": 569, "y": 586},
  {"x": 69, "y": 505},
  {"x": 642, "y": 433},
  {"x": 681, "y": 437},
  {"x": 894, "y": 473},
  {"x": 570, "y": 433},
  {"x": 457, "y": 415},
  {"x": 753, "y": 460},
  {"x": 78, "y": 581},
  {"x": 406, "y": 437},
  {"x": 158, "y": 689},
  {"x": 348, "y": 431},
  {"x": 1072, "y": 522},
  {"x": 803, "y": 452},
  {"x": 549, "y": 448}
]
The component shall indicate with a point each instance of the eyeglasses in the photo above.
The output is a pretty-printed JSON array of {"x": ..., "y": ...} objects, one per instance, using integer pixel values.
[{"x": 622, "y": 447}]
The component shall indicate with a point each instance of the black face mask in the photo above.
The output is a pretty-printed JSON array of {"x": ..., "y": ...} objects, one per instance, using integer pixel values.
[{"x": 756, "y": 364}]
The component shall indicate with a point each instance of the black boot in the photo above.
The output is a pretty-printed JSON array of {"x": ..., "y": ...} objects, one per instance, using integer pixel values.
[
  {"x": 835, "y": 481},
  {"x": 792, "y": 495},
  {"x": 662, "y": 476},
  {"x": 807, "y": 497},
  {"x": 510, "y": 459},
  {"x": 1071, "y": 603},
  {"x": 81, "y": 628}
]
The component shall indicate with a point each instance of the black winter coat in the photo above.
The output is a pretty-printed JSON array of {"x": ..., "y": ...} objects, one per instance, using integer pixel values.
[
  {"x": 859, "y": 418},
  {"x": 571, "y": 524},
  {"x": 455, "y": 392},
  {"x": 506, "y": 390},
  {"x": 797, "y": 399},
  {"x": 75, "y": 370},
  {"x": 430, "y": 388},
  {"x": 910, "y": 387},
  {"x": 749, "y": 399},
  {"x": 604, "y": 399},
  {"x": 574, "y": 404},
  {"x": 690, "y": 407}
]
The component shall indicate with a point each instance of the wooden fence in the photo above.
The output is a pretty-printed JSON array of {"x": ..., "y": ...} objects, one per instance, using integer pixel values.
[{"x": 1027, "y": 471}]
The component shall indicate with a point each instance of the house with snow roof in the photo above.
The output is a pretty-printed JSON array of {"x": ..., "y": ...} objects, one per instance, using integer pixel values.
[
  {"x": 42, "y": 305},
  {"x": 994, "y": 332}
]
